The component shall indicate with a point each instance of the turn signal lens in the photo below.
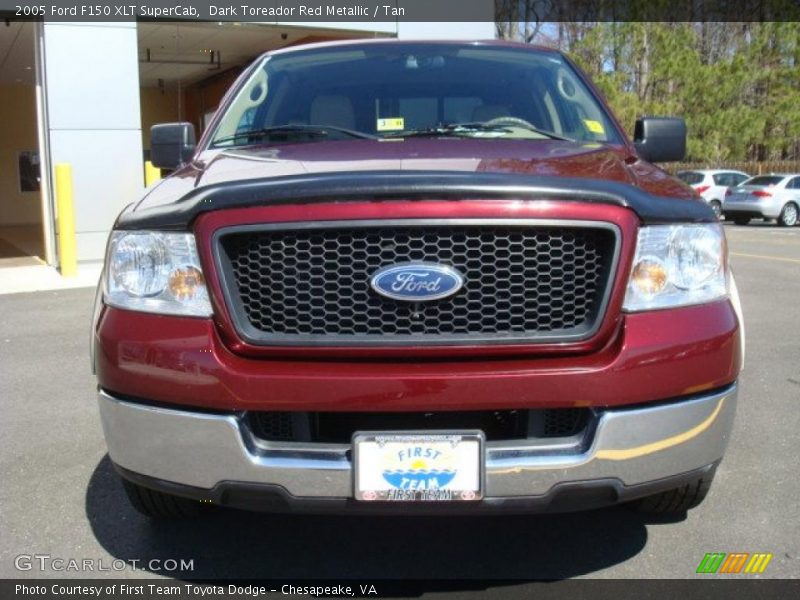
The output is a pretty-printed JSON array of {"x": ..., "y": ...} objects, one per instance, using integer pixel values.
[
  {"x": 649, "y": 276},
  {"x": 186, "y": 282}
]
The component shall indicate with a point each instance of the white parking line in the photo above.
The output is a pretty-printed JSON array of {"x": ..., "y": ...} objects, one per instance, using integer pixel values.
[
  {"x": 790, "y": 232},
  {"x": 763, "y": 257}
]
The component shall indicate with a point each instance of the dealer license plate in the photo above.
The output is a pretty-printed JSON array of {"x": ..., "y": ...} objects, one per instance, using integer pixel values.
[{"x": 418, "y": 467}]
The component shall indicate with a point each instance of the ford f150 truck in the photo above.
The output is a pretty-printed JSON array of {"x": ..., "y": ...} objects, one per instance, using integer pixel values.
[{"x": 414, "y": 277}]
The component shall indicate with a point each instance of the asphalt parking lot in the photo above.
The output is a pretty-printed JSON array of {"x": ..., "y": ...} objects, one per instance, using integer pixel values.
[{"x": 60, "y": 497}]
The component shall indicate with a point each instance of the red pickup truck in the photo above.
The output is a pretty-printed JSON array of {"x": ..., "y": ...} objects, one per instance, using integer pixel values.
[{"x": 416, "y": 277}]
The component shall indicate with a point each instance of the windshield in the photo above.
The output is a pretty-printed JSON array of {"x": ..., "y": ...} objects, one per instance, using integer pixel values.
[
  {"x": 399, "y": 90},
  {"x": 765, "y": 180}
]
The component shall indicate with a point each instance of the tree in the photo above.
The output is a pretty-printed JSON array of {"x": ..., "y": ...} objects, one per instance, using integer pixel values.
[{"x": 736, "y": 84}]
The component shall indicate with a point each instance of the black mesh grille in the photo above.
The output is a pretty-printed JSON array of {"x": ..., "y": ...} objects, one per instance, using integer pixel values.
[
  {"x": 273, "y": 425},
  {"x": 563, "y": 422},
  {"x": 520, "y": 282}
]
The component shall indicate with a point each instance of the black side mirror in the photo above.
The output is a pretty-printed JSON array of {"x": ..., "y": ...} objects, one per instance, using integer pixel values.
[
  {"x": 660, "y": 139},
  {"x": 171, "y": 145}
]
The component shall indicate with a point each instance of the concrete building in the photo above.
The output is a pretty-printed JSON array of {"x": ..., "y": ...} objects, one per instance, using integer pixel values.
[{"x": 87, "y": 94}]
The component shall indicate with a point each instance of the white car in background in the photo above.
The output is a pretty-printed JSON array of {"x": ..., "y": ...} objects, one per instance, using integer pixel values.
[
  {"x": 713, "y": 184},
  {"x": 774, "y": 196}
]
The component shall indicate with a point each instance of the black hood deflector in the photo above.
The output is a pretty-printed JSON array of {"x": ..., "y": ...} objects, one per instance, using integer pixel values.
[{"x": 411, "y": 185}]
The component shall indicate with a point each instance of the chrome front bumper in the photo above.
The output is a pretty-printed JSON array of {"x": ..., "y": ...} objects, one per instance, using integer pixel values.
[{"x": 633, "y": 447}]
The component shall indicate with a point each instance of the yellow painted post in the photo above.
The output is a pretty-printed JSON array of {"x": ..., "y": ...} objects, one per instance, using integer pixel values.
[
  {"x": 67, "y": 246},
  {"x": 151, "y": 174}
]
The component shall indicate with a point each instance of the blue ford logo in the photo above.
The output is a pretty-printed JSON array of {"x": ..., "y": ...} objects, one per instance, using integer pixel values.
[{"x": 417, "y": 282}]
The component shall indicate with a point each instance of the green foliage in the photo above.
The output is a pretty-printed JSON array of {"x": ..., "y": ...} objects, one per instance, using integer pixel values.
[{"x": 736, "y": 84}]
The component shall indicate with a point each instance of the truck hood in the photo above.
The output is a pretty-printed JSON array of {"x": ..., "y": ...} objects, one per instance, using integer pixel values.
[
  {"x": 421, "y": 168},
  {"x": 552, "y": 158}
]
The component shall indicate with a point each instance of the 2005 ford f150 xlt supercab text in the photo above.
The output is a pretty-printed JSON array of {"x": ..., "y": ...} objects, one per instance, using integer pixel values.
[{"x": 413, "y": 277}]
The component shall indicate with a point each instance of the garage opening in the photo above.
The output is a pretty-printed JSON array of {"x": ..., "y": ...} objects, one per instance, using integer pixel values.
[
  {"x": 186, "y": 68},
  {"x": 22, "y": 233}
]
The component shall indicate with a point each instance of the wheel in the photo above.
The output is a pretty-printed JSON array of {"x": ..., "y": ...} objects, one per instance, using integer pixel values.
[
  {"x": 788, "y": 216},
  {"x": 716, "y": 206},
  {"x": 158, "y": 505},
  {"x": 741, "y": 220},
  {"x": 679, "y": 500}
]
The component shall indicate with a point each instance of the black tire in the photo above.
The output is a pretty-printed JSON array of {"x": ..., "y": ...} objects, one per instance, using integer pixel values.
[
  {"x": 716, "y": 206},
  {"x": 677, "y": 501},
  {"x": 741, "y": 220},
  {"x": 158, "y": 505},
  {"x": 789, "y": 215}
]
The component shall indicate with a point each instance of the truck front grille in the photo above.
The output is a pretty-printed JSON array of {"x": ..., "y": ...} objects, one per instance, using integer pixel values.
[{"x": 309, "y": 284}]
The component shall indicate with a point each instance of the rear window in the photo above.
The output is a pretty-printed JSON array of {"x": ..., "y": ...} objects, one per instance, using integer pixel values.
[
  {"x": 385, "y": 90},
  {"x": 739, "y": 178},
  {"x": 764, "y": 180},
  {"x": 723, "y": 179},
  {"x": 729, "y": 179},
  {"x": 691, "y": 177}
]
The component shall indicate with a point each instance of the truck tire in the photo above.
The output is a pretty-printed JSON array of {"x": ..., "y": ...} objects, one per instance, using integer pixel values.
[
  {"x": 676, "y": 501},
  {"x": 789, "y": 215},
  {"x": 158, "y": 505}
]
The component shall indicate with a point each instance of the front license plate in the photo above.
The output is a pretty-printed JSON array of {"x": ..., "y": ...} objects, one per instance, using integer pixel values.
[{"x": 418, "y": 467}]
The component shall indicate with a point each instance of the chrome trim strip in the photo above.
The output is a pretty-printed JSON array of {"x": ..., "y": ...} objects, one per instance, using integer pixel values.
[
  {"x": 251, "y": 335},
  {"x": 633, "y": 445}
]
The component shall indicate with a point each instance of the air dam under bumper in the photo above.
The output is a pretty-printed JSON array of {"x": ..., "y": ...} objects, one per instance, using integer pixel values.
[{"x": 630, "y": 453}]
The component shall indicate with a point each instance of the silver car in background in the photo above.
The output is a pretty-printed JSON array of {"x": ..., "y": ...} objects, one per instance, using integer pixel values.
[
  {"x": 713, "y": 184},
  {"x": 773, "y": 196}
]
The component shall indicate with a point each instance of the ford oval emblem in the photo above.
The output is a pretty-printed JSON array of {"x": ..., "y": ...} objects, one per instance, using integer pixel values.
[{"x": 417, "y": 282}]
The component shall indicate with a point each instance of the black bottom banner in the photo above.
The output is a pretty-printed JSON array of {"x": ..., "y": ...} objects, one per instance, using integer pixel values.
[{"x": 640, "y": 589}]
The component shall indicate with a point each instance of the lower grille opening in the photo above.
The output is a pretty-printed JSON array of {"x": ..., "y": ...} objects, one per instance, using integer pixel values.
[
  {"x": 339, "y": 427},
  {"x": 558, "y": 422}
]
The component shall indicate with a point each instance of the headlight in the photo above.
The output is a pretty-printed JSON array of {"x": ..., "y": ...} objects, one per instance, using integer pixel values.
[
  {"x": 677, "y": 265},
  {"x": 155, "y": 272}
]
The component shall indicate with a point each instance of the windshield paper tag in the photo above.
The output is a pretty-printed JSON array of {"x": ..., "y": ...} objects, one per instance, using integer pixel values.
[
  {"x": 594, "y": 126},
  {"x": 394, "y": 124}
]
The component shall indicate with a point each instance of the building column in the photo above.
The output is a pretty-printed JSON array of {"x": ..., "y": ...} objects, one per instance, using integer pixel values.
[{"x": 90, "y": 118}]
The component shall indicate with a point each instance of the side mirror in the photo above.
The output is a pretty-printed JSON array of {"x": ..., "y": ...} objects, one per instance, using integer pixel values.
[
  {"x": 660, "y": 139},
  {"x": 171, "y": 145}
]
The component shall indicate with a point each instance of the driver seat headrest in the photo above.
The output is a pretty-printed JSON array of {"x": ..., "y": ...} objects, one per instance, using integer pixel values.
[{"x": 332, "y": 109}]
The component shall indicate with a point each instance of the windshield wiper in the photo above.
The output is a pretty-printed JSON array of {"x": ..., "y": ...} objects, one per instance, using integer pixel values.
[
  {"x": 449, "y": 129},
  {"x": 547, "y": 134},
  {"x": 459, "y": 129},
  {"x": 314, "y": 131}
]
